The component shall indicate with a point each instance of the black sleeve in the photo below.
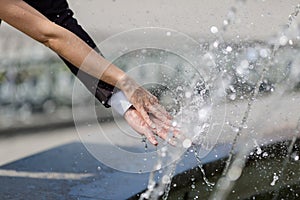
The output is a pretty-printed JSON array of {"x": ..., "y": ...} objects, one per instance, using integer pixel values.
[{"x": 58, "y": 12}]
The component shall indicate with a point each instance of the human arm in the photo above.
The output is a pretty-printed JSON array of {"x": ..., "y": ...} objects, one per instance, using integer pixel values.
[{"x": 23, "y": 17}]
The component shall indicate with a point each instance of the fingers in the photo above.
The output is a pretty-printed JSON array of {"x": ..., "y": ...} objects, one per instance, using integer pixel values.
[
  {"x": 162, "y": 109},
  {"x": 160, "y": 113},
  {"x": 162, "y": 125},
  {"x": 147, "y": 119},
  {"x": 146, "y": 103},
  {"x": 167, "y": 126},
  {"x": 156, "y": 120},
  {"x": 135, "y": 120},
  {"x": 156, "y": 109},
  {"x": 150, "y": 136},
  {"x": 166, "y": 131}
]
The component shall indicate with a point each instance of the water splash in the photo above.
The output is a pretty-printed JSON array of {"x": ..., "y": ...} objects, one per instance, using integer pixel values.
[
  {"x": 275, "y": 178},
  {"x": 200, "y": 165},
  {"x": 232, "y": 171},
  {"x": 293, "y": 15},
  {"x": 260, "y": 58},
  {"x": 288, "y": 157},
  {"x": 159, "y": 186}
]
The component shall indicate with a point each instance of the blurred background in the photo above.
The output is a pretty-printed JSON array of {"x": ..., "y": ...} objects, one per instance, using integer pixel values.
[{"x": 36, "y": 87}]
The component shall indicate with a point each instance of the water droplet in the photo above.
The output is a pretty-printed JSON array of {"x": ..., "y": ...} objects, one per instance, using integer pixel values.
[
  {"x": 235, "y": 129},
  {"x": 232, "y": 96},
  {"x": 263, "y": 53},
  {"x": 174, "y": 123},
  {"x": 231, "y": 87},
  {"x": 187, "y": 143},
  {"x": 166, "y": 179},
  {"x": 98, "y": 168},
  {"x": 275, "y": 178},
  {"x": 216, "y": 44},
  {"x": 265, "y": 154},
  {"x": 188, "y": 95},
  {"x": 229, "y": 49},
  {"x": 225, "y": 22},
  {"x": 158, "y": 167},
  {"x": 283, "y": 40},
  {"x": 258, "y": 151},
  {"x": 168, "y": 33},
  {"x": 214, "y": 29}
]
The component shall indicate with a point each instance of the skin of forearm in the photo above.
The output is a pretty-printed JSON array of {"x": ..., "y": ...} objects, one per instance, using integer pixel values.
[
  {"x": 80, "y": 54},
  {"x": 26, "y": 19}
]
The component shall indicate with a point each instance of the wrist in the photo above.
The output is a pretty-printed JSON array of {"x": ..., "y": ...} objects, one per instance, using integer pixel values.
[{"x": 127, "y": 85}]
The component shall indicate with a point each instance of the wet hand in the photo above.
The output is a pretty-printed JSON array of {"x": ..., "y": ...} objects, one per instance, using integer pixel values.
[
  {"x": 163, "y": 130},
  {"x": 144, "y": 102}
]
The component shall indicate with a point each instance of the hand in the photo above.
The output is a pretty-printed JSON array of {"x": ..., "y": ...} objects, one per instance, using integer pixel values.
[
  {"x": 136, "y": 121},
  {"x": 144, "y": 102}
]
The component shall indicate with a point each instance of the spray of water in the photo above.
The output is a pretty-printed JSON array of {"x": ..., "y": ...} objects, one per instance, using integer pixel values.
[
  {"x": 198, "y": 126},
  {"x": 233, "y": 170},
  {"x": 287, "y": 158}
]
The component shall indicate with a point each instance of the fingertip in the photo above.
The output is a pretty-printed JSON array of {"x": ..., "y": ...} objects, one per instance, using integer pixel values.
[{"x": 153, "y": 141}]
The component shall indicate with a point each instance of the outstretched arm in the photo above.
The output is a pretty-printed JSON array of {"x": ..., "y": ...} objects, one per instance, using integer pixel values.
[
  {"x": 23, "y": 17},
  {"x": 26, "y": 19}
]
